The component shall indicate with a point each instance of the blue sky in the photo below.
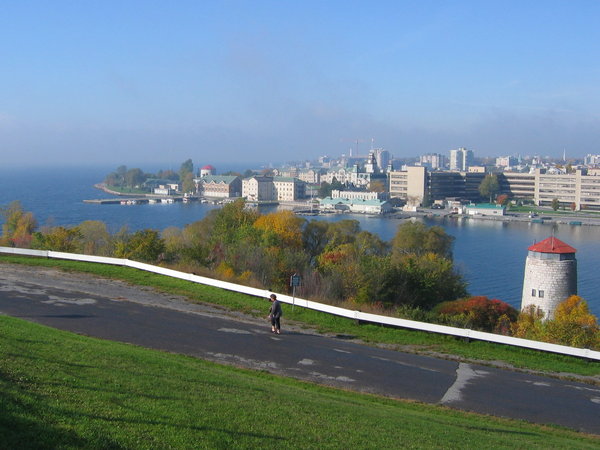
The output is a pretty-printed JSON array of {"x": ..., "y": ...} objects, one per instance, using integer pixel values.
[{"x": 148, "y": 82}]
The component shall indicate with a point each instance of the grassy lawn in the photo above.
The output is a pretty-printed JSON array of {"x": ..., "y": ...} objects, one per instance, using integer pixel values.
[
  {"x": 62, "y": 390},
  {"x": 408, "y": 340}
]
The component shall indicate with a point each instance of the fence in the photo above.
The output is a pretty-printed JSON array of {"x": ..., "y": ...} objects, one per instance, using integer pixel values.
[{"x": 356, "y": 315}]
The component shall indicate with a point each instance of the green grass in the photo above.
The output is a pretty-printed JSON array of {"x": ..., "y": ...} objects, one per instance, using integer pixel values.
[
  {"x": 61, "y": 390},
  {"x": 402, "y": 339}
]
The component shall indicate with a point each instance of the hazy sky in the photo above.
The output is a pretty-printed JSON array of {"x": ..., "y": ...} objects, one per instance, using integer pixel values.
[{"x": 148, "y": 82}]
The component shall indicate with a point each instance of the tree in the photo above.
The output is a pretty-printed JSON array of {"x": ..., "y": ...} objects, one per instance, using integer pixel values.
[
  {"x": 144, "y": 245},
  {"x": 479, "y": 312},
  {"x": 134, "y": 177},
  {"x": 555, "y": 204},
  {"x": 282, "y": 228},
  {"x": 489, "y": 187},
  {"x": 59, "y": 239},
  {"x": 186, "y": 167},
  {"x": 94, "y": 238},
  {"x": 188, "y": 184},
  {"x": 574, "y": 325},
  {"x": 325, "y": 190},
  {"x": 377, "y": 186},
  {"x": 417, "y": 238},
  {"x": 502, "y": 199},
  {"x": 18, "y": 226}
]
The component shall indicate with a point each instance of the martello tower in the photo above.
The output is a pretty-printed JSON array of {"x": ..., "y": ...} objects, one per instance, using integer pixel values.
[{"x": 550, "y": 275}]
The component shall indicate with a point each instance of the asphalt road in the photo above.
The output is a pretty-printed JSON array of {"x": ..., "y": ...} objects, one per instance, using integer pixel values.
[{"x": 112, "y": 310}]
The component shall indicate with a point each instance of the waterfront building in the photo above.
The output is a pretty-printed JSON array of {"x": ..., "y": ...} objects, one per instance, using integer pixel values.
[
  {"x": 288, "y": 189},
  {"x": 360, "y": 195},
  {"x": 219, "y": 186},
  {"x": 356, "y": 205},
  {"x": 416, "y": 183},
  {"x": 258, "y": 189},
  {"x": 269, "y": 189},
  {"x": 485, "y": 209},
  {"x": 550, "y": 275}
]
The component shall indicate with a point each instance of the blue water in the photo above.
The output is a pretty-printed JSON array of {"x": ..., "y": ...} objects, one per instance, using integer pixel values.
[{"x": 491, "y": 255}]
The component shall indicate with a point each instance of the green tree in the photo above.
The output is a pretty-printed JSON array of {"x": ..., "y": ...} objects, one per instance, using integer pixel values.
[
  {"x": 555, "y": 204},
  {"x": 145, "y": 245},
  {"x": 188, "y": 185},
  {"x": 134, "y": 177},
  {"x": 489, "y": 186},
  {"x": 59, "y": 239},
  {"x": 417, "y": 238}
]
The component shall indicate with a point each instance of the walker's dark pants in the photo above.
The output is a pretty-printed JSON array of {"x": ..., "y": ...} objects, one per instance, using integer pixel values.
[{"x": 276, "y": 323}]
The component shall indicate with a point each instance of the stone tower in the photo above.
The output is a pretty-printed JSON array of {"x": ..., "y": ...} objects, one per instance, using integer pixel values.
[{"x": 550, "y": 275}]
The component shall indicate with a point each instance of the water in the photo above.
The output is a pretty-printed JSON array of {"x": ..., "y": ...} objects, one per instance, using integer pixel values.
[{"x": 490, "y": 254}]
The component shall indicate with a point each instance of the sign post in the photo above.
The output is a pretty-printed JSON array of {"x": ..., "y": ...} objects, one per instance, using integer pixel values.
[{"x": 294, "y": 281}]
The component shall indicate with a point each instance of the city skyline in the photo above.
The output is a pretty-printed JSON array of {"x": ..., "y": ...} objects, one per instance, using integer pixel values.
[{"x": 156, "y": 83}]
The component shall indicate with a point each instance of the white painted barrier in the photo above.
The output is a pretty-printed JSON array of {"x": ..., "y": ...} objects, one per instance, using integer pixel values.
[{"x": 356, "y": 315}]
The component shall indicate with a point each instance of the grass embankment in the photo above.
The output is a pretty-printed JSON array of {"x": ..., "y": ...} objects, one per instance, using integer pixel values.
[
  {"x": 61, "y": 390},
  {"x": 410, "y": 340}
]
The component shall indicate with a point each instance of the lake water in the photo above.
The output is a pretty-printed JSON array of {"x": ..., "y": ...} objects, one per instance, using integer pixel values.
[{"x": 490, "y": 254}]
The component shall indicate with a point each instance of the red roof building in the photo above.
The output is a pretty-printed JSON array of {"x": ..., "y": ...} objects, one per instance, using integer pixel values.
[{"x": 551, "y": 245}]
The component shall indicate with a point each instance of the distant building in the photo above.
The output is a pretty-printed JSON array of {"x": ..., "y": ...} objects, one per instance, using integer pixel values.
[
  {"x": 268, "y": 189},
  {"x": 461, "y": 159},
  {"x": 550, "y": 275},
  {"x": 372, "y": 206},
  {"x": 506, "y": 161},
  {"x": 592, "y": 160},
  {"x": 433, "y": 161},
  {"x": 485, "y": 209},
  {"x": 219, "y": 186},
  {"x": 207, "y": 170}
]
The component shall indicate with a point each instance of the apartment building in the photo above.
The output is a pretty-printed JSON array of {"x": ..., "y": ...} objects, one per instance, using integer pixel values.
[{"x": 267, "y": 189}]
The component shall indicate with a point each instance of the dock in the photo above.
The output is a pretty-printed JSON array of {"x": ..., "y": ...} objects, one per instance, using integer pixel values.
[{"x": 140, "y": 200}]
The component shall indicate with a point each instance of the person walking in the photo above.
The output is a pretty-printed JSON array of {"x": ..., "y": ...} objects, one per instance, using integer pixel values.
[{"x": 275, "y": 314}]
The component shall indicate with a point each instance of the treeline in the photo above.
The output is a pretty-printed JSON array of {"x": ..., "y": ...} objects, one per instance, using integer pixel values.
[
  {"x": 124, "y": 178},
  {"x": 412, "y": 276}
]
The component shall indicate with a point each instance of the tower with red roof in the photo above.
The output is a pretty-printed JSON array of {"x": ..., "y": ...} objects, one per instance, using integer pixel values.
[{"x": 550, "y": 275}]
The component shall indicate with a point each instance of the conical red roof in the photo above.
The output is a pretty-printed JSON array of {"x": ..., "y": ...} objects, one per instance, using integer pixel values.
[{"x": 551, "y": 245}]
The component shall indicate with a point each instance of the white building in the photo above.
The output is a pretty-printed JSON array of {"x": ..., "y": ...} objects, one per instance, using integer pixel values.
[
  {"x": 461, "y": 159},
  {"x": 268, "y": 189},
  {"x": 550, "y": 275}
]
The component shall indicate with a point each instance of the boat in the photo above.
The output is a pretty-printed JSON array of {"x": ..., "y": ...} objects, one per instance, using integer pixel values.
[{"x": 575, "y": 222}]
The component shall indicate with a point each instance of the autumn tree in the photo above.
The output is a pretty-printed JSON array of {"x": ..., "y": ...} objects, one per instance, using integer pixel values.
[
  {"x": 574, "y": 324},
  {"x": 377, "y": 186},
  {"x": 18, "y": 226},
  {"x": 282, "y": 228},
  {"x": 479, "y": 313}
]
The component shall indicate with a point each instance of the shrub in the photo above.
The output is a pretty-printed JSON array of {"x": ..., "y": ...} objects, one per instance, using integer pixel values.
[{"x": 479, "y": 313}]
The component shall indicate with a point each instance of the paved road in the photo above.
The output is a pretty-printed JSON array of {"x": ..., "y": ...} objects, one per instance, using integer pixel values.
[{"x": 115, "y": 311}]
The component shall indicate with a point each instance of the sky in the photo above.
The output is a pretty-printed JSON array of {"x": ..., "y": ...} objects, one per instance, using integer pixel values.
[{"x": 256, "y": 82}]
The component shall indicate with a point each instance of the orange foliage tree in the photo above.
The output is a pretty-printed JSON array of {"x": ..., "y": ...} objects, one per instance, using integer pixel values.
[{"x": 480, "y": 313}]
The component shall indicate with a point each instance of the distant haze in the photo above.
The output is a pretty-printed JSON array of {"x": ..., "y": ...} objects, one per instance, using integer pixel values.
[{"x": 147, "y": 83}]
